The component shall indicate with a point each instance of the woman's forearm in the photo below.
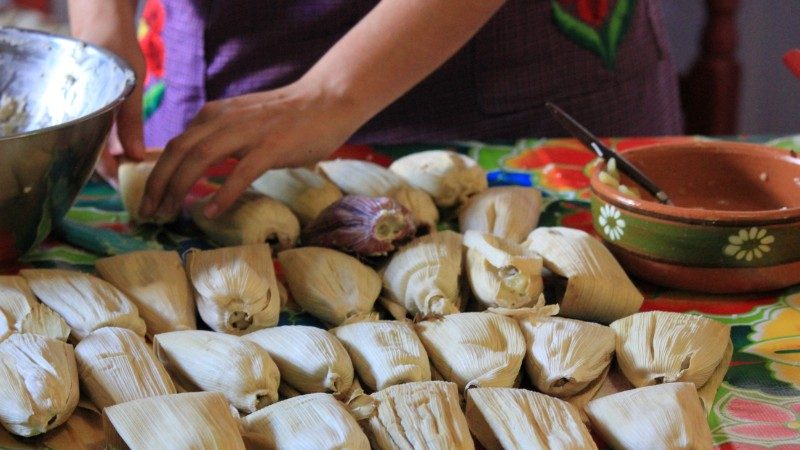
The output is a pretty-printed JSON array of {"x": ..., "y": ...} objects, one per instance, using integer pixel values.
[
  {"x": 394, "y": 47},
  {"x": 98, "y": 20}
]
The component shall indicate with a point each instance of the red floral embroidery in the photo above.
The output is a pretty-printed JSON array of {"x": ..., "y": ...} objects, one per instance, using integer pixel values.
[
  {"x": 593, "y": 12},
  {"x": 153, "y": 15},
  {"x": 153, "y": 49}
]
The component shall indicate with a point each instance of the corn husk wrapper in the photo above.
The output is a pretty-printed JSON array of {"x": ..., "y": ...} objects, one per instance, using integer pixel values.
[
  {"x": 82, "y": 431},
  {"x": 197, "y": 420},
  {"x": 253, "y": 219},
  {"x": 509, "y": 212},
  {"x": 708, "y": 391},
  {"x": 356, "y": 177},
  {"x": 85, "y": 302},
  {"x": 38, "y": 383},
  {"x": 21, "y": 313},
  {"x": 667, "y": 416},
  {"x": 517, "y": 419},
  {"x": 423, "y": 277},
  {"x": 5, "y": 328},
  {"x": 330, "y": 285},
  {"x": 421, "y": 206},
  {"x": 364, "y": 226},
  {"x": 235, "y": 288},
  {"x": 132, "y": 180},
  {"x": 156, "y": 282},
  {"x": 566, "y": 356},
  {"x": 308, "y": 422},
  {"x": 385, "y": 353},
  {"x": 310, "y": 359},
  {"x": 423, "y": 415},
  {"x": 449, "y": 177},
  {"x": 117, "y": 366},
  {"x": 218, "y": 362},
  {"x": 303, "y": 191},
  {"x": 664, "y": 347},
  {"x": 474, "y": 349},
  {"x": 501, "y": 273},
  {"x": 598, "y": 289}
]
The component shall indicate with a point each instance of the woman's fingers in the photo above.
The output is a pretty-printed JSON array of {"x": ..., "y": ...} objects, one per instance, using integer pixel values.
[
  {"x": 194, "y": 141},
  {"x": 211, "y": 150},
  {"x": 246, "y": 171},
  {"x": 130, "y": 126}
]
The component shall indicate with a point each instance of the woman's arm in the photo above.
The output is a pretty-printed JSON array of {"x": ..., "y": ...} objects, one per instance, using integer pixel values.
[
  {"x": 390, "y": 50},
  {"x": 112, "y": 24}
]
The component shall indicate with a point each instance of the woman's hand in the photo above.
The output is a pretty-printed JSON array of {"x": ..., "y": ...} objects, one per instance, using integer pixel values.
[
  {"x": 394, "y": 47},
  {"x": 111, "y": 24},
  {"x": 286, "y": 127}
]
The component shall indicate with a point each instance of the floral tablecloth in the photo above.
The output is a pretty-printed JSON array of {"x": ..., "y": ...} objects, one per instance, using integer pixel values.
[{"x": 758, "y": 405}]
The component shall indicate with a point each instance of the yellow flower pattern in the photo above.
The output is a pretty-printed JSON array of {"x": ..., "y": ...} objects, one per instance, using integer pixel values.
[
  {"x": 749, "y": 244},
  {"x": 778, "y": 340}
]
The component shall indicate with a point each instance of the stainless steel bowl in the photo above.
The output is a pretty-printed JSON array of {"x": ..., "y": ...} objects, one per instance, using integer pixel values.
[{"x": 61, "y": 95}]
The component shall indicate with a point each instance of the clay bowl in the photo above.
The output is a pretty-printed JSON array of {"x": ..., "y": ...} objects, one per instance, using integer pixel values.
[{"x": 734, "y": 226}]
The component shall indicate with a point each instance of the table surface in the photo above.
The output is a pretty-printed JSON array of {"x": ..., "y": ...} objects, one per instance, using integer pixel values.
[{"x": 758, "y": 404}]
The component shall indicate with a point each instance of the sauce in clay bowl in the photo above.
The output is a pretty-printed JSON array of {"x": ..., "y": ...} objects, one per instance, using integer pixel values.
[{"x": 734, "y": 225}]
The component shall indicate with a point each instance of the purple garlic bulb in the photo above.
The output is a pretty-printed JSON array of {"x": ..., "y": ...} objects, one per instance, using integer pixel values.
[{"x": 365, "y": 226}]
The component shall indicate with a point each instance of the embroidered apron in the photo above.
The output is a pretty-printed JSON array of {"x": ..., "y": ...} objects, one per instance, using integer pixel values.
[{"x": 605, "y": 61}]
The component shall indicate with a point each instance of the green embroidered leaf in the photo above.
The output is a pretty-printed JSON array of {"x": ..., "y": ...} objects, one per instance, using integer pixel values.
[
  {"x": 579, "y": 31},
  {"x": 616, "y": 28},
  {"x": 152, "y": 98}
]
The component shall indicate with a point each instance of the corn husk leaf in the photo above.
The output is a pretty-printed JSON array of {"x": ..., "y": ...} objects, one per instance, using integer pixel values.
[
  {"x": 657, "y": 347},
  {"x": 198, "y": 420},
  {"x": 21, "y": 313},
  {"x": 356, "y": 177},
  {"x": 330, "y": 285},
  {"x": 423, "y": 415},
  {"x": 449, "y": 177},
  {"x": 565, "y": 356},
  {"x": 253, "y": 219},
  {"x": 501, "y": 273},
  {"x": 82, "y": 431},
  {"x": 38, "y": 383},
  {"x": 156, "y": 282},
  {"x": 208, "y": 361},
  {"x": 308, "y": 422},
  {"x": 364, "y": 226},
  {"x": 509, "y": 212},
  {"x": 117, "y": 366},
  {"x": 235, "y": 288},
  {"x": 511, "y": 419},
  {"x": 474, "y": 349},
  {"x": 665, "y": 416},
  {"x": 5, "y": 327},
  {"x": 310, "y": 359},
  {"x": 423, "y": 277},
  {"x": 385, "y": 353},
  {"x": 303, "y": 191},
  {"x": 132, "y": 180},
  {"x": 708, "y": 391},
  {"x": 598, "y": 289},
  {"x": 16, "y": 301},
  {"x": 85, "y": 302},
  {"x": 421, "y": 206}
]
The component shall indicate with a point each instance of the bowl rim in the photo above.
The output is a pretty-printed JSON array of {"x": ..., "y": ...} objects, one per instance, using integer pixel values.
[
  {"x": 130, "y": 84},
  {"x": 696, "y": 216}
]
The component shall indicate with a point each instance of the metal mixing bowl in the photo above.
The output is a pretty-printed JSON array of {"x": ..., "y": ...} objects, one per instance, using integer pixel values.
[{"x": 61, "y": 95}]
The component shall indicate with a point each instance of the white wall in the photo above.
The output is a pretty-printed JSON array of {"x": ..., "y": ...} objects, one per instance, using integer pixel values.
[{"x": 770, "y": 94}]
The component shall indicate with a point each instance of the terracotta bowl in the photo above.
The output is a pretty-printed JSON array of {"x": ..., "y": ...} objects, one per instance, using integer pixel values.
[{"x": 734, "y": 226}]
